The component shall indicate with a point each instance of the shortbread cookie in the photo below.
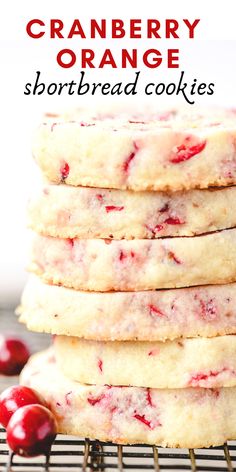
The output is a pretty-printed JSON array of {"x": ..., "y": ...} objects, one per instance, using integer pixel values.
[
  {"x": 171, "y": 151},
  {"x": 191, "y": 417},
  {"x": 68, "y": 212},
  {"x": 201, "y": 362},
  {"x": 146, "y": 316},
  {"x": 103, "y": 265}
]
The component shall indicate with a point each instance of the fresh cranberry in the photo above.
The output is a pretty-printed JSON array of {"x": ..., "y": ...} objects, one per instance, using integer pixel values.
[
  {"x": 15, "y": 397},
  {"x": 31, "y": 431},
  {"x": 13, "y": 355}
]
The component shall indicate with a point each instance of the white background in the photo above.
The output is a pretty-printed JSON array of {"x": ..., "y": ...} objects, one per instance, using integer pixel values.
[{"x": 211, "y": 57}]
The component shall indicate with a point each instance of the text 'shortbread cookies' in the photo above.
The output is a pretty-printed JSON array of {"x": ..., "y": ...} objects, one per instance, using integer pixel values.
[
  {"x": 146, "y": 316},
  {"x": 167, "y": 151},
  {"x": 198, "y": 362},
  {"x": 68, "y": 212},
  {"x": 103, "y": 265},
  {"x": 189, "y": 418}
]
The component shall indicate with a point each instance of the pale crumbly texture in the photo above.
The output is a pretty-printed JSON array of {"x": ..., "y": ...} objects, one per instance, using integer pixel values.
[
  {"x": 68, "y": 212},
  {"x": 103, "y": 265},
  {"x": 145, "y": 316},
  {"x": 201, "y": 362},
  {"x": 191, "y": 417},
  {"x": 171, "y": 151}
]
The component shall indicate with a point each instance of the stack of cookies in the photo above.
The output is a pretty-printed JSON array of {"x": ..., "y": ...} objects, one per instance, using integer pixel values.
[{"x": 134, "y": 267}]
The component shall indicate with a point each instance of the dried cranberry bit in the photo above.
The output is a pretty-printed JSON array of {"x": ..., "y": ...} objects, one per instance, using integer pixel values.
[
  {"x": 184, "y": 153},
  {"x": 14, "y": 398},
  {"x": 173, "y": 221},
  {"x": 68, "y": 400},
  {"x": 123, "y": 255},
  {"x": 31, "y": 431},
  {"x": 95, "y": 400},
  {"x": 154, "y": 310},
  {"x": 170, "y": 220},
  {"x": 158, "y": 228},
  {"x": 149, "y": 397},
  {"x": 113, "y": 208},
  {"x": 201, "y": 376},
  {"x": 64, "y": 171},
  {"x": 173, "y": 257},
  {"x": 71, "y": 242},
  {"x": 83, "y": 123},
  {"x": 99, "y": 197},
  {"x": 143, "y": 420},
  {"x": 129, "y": 159},
  {"x": 165, "y": 208},
  {"x": 100, "y": 365},
  {"x": 153, "y": 352},
  {"x": 154, "y": 230},
  {"x": 208, "y": 310},
  {"x": 150, "y": 424},
  {"x": 13, "y": 355}
]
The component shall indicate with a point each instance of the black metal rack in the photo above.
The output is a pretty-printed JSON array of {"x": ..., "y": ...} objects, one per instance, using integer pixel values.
[{"x": 70, "y": 454}]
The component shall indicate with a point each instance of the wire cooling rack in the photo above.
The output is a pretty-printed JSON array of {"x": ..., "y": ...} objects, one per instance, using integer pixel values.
[{"x": 71, "y": 454}]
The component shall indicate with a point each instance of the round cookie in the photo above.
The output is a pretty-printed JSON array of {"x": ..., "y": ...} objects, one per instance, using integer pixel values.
[
  {"x": 191, "y": 418},
  {"x": 145, "y": 316},
  {"x": 197, "y": 362},
  {"x": 103, "y": 265},
  {"x": 172, "y": 151},
  {"x": 68, "y": 212}
]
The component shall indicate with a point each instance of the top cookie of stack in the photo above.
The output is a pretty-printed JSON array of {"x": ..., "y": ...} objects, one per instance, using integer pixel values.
[{"x": 170, "y": 151}]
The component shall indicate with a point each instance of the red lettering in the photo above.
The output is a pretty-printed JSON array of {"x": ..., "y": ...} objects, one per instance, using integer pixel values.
[
  {"x": 172, "y": 56},
  {"x": 29, "y": 28},
  {"x": 135, "y": 29},
  {"x": 87, "y": 56},
  {"x": 126, "y": 57},
  {"x": 117, "y": 27},
  {"x": 191, "y": 27},
  {"x": 76, "y": 28},
  {"x": 153, "y": 27},
  {"x": 156, "y": 60},
  {"x": 107, "y": 59},
  {"x": 55, "y": 28},
  {"x": 171, "y": 27},
  {"x": 60, "y": 59},
  {"x": 95, "y": 27}
]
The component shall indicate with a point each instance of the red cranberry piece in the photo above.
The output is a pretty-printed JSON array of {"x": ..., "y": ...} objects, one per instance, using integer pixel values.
[
  {"x": 13, "y": 355},
  {"x": 184, "y": 152},
  {"x": 129, "y": 159},
  {"x": 64, "y": 171},
  {"x": 15, "y": 397},
  {"x": 171, "y": 220},
  {"x": 31, "y": 431},
  {"x": 110, "y": 208}
]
